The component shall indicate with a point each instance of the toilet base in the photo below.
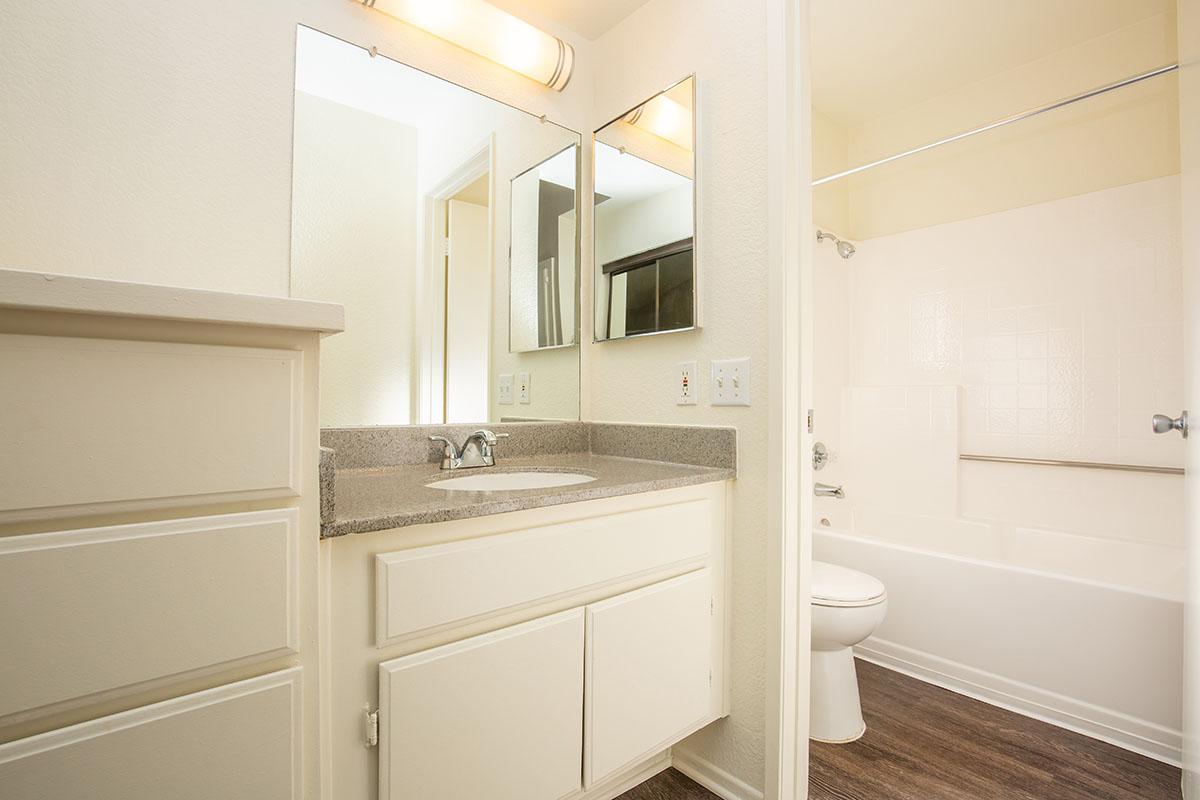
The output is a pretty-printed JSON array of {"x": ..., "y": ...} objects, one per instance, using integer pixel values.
[{"x": 835, "y": 711}]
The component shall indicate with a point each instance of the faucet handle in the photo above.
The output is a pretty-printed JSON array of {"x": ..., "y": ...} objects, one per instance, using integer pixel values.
[
  {"x": 451, "y": 448},
  {"x": 450, "y": 452},
  {"x": 487, "y": 436}
]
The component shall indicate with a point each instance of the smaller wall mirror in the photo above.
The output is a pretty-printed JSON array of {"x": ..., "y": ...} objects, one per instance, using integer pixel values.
[{"x": 645, "y": 219}]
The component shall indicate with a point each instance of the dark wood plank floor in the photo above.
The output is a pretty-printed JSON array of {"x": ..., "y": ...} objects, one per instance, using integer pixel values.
[
  {"x": 926, "y": 743},
  {"x": 669, "y": 784}
]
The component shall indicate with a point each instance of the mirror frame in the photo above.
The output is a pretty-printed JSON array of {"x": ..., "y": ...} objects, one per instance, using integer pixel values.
[
  {"x": 696, "y": 245},
  {"x": 579, "y": 188}
]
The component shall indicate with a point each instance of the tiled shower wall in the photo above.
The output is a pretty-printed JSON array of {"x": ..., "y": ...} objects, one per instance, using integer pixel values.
[
  {"x": 1061, "y": 321},
  {"x": 1050, "y": 331}
]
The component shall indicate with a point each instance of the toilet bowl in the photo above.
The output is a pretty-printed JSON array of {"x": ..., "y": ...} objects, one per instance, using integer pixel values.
[{"x": 847, "y": 607}]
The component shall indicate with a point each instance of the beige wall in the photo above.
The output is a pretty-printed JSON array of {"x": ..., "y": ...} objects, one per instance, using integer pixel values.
[
  {"x": 831, "y": 201},
  {"x": 365, "y": 261},
  {"x": 1121, "y": 138},
  {"x": 155, "y": 138},
  {"x": 630, "y": 380}
]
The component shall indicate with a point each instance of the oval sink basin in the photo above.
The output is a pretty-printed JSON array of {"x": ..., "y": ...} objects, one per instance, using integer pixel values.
[{"x": 510, "y": 481}]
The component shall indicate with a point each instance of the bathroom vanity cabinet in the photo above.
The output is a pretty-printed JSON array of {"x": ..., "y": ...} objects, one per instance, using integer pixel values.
[
  {"x": 535, "y": 655},
  {"x": 158, "y": 541}
]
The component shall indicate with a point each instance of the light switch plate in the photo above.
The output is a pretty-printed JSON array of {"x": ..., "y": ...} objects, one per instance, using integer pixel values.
[
  {"x": 504, "y": 389},
  {"x": 687, "y": 383},
  {"x": 731, "y": 382},
  {"x": 523, "y": 389}
]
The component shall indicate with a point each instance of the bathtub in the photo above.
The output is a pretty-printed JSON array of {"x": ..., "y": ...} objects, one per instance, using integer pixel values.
[{"x": 1017, "y": 623}]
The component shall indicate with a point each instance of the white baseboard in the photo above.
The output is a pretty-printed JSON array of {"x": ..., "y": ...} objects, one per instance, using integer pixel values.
[
  {"x": 614, "y": 787},
  {"x": 1122, "y": 730},
  {"x": 712, "y": 777}
]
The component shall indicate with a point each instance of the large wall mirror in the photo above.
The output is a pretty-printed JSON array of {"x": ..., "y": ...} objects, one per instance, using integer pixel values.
[
  {"x": 645, "y": 243},
  {"x": 447, "y": 225}
]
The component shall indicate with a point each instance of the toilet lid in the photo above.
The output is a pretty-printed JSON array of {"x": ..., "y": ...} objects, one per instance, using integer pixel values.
[{"x": 834, "y": 585}]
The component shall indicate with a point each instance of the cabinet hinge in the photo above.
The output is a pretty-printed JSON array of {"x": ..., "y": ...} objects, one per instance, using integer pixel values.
[
  {"x": 712, "y": 606},
  {"x": 810, "y": 420},
  {"x": 710, "y": 677},
  {"x": 371, "y": 726}
]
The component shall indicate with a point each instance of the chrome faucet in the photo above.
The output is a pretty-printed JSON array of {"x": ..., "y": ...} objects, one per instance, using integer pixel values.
[{"x": 476, "y": 451}]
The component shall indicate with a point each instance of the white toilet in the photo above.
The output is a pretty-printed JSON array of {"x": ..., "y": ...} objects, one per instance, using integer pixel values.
[{"x": 847, "y": 607}]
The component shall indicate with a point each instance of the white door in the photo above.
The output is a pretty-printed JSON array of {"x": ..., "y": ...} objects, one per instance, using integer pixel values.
[
  {"x": 497, "y": 716},
  {"x": 1189, "y": 119},
  {"x": 649, "y": 672},
  {"x": 468, "y": 312}
]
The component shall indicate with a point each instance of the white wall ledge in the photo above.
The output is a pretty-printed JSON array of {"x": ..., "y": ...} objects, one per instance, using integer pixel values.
[{"x": 45, "y": 291}]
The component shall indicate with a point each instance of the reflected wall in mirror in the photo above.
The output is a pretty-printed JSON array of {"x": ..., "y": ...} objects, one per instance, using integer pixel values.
[
  {"x": 645, "y": 200},
  {"x": 543, "y": 279},
  {"x": 407, "y": 193}
]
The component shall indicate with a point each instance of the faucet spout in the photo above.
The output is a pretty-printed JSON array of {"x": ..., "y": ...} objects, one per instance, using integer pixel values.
[{"x": 476, "y": 451}]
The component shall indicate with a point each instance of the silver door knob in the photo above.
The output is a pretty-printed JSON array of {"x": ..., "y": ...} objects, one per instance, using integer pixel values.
[
  {"x": 825, "y": 490},
  {"x": 1164, "y": 424},
  {"x": 820, "y": 456}
]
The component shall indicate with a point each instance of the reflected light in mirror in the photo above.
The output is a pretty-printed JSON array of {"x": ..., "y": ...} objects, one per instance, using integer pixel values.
[
  {"x": 666, "y": 119},
  {"x": 487, "y": 31}
]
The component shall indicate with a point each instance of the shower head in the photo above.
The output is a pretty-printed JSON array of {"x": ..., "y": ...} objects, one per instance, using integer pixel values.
[{"x": 844, "y": 248}]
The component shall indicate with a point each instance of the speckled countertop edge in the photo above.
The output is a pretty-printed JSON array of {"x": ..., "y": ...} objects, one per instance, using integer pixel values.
[{"x": 373, "y": 495}]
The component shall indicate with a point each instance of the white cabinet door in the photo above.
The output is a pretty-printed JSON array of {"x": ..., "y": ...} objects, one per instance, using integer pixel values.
[
  {"x": 240, "y": 741},
  {"x": 648, "y": 674},
  {"x": 497, "y": 716}
]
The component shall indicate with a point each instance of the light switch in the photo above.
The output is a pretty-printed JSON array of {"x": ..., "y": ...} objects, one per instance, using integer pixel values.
[
  {"x": 731, "y": 382},
  {"x": 504, "y": 389},
  {"x": 523, "y": 389}
]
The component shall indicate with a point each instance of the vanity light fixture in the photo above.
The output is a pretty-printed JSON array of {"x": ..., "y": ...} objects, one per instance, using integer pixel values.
[{"x": 485, "y": 30}]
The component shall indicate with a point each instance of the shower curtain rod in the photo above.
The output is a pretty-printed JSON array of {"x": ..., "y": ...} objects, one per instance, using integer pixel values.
[{"x": 1154, "y": 73}]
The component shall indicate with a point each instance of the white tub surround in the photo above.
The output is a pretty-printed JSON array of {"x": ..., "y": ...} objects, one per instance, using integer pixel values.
[
  {"x": 157, "y": 539},
  {"x": 1100, "y": 654}
]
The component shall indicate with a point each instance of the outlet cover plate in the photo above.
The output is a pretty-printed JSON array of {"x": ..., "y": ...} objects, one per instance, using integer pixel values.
[
  {"x": 731, "y": 382},
  {"x": 523, "y": 389},
  {"x": 687, "y": 383},
  {"x": 504, "y": 389}
]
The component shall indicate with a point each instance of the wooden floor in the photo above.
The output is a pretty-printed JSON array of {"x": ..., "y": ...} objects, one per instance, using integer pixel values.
[
  {"x": 669, "y": 785},
  {"x": 926, "y": 743}
]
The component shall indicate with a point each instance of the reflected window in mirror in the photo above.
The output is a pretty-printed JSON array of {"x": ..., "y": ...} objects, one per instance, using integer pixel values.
[
  {"x": 410, "y": 194},
  {"x": 644, "y": 209}
]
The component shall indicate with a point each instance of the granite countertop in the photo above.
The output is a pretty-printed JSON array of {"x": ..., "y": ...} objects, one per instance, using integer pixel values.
[{"x": 381, "y": 498}]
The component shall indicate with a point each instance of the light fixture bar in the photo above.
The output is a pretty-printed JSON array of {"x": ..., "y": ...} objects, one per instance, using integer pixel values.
[{"x": 487, "y": 31}]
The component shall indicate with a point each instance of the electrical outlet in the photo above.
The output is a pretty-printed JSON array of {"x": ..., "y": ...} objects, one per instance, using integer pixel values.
[
  {"x": 687, "y": 384},
  {"x": 731, "y": 382},
  {"x": 504, "y": 390},
  {"x": 523, "y": 388}
]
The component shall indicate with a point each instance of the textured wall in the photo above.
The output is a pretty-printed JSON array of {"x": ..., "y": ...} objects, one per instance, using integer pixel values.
[
  {"x": 365, "y": 261},
  {"x": 725, "y": 45},
  {"x": 153, "y": 139}
]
